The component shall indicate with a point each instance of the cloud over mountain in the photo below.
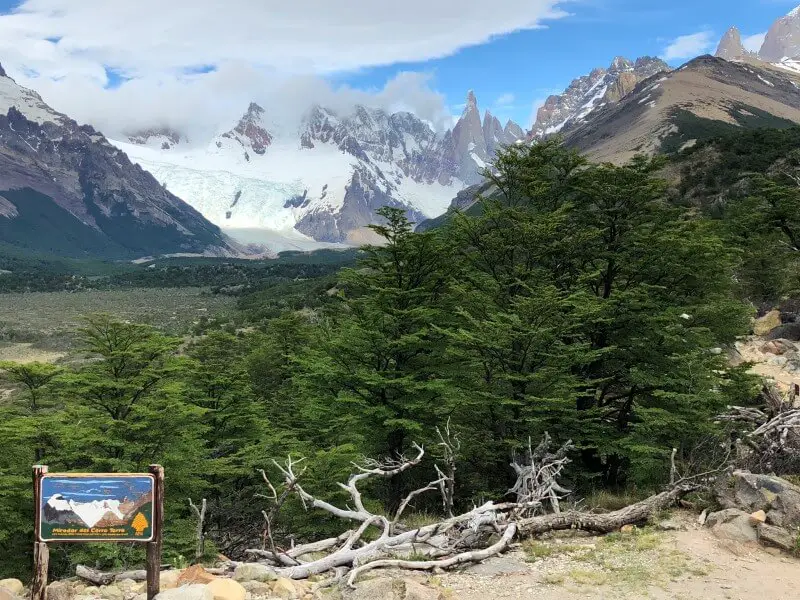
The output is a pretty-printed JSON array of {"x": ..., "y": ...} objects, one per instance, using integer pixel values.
[{"x": 129, "y": 63}]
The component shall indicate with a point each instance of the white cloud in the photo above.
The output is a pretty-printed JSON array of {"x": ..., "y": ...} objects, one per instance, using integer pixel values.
[
  {"x": 505, "y": 100},
  {"x": 273, "y": 51},
  {"x": 689, "y": 46},
  {"x": 753, "y": 43}
]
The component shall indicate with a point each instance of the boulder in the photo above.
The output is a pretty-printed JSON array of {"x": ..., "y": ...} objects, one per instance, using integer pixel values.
[
  {"x": 111, "y": 592},
  {"x": 195, "y": 591},
  {"x": 732, "y": 524},
  {"x": 6, "y": 594},
  {"x": 789, "y": 331},
  {"x": 758, "y": 517},
  {"x": 386, "y": 588},
  {"x": 254, "y": 572},
  {"x": 227, "y": 589},
  {"x": 257, "y": 588},
  {"x": 777, "y": 537},
  {"x": 61, "y": 590},
  {"x": 724, "y": 516},
  {"x": 12, "y": 585},
  {"x": 168, "y": 579},
  {"x": 767, "y": 323},
  {"x": 287, "y": 589},
  {"x": 778, "y": 347},
  {"x": 790, "y": 310},
  {"x": 195, "y": 574}
]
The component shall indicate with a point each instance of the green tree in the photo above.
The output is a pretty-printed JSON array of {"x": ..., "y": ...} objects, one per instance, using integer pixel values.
[{"x": 372, "y": 372}]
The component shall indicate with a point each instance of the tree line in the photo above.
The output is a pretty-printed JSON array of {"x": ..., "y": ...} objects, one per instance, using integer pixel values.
[{"x": 583, "y": 301}]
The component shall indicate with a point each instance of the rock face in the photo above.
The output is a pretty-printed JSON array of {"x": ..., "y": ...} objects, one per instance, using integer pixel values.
[
  {"x": 601, "y": 87},
  {"x": 327, "y": 178},
  {"x": 731, "y": 47},
  {"x": 783, "y": 39},
  {"x": 68, "y": 191},
  {"x": 251, "y": 131},
  {"x": 162, "y": 138}
]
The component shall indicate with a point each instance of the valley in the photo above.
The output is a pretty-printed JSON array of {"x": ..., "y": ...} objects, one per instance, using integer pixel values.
[{"x": 388, "y": 342}]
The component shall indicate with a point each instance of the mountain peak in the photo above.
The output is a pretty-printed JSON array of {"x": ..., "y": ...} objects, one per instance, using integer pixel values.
[
  {"x": 254, "y": 109},
  {"x": 730, "y": 46},
  {"x": 472, "y": 102},
  {"x": 2, "y": 71},
  {"x": 783, "y": 38},
  {"x": 620, "y": 63}
]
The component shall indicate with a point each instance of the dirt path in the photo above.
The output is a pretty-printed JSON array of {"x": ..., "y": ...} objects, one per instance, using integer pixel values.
[{"x": 689, "y": 564}]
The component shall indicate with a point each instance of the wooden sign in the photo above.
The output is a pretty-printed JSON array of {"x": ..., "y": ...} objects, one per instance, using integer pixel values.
[
  {"x": 96, "y": 508},
  {"x": 119, "y": 507}
]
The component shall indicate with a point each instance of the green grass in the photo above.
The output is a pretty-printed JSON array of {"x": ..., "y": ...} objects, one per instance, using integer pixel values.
[{"x": 42, "y": 317}]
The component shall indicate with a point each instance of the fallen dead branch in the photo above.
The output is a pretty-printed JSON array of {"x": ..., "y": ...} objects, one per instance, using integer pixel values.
[{"x": 456, "y": 539}]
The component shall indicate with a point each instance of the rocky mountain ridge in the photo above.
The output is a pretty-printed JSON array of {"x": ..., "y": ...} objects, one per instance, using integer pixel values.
[
  {"x": 66, "y": 189},
  {"x": 325, "y": 180},
  {"x": 601, "y": 87},
  {"x": 781, "y": 46}
]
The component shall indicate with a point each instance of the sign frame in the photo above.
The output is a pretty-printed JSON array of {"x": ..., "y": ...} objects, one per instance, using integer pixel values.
[
  {"x": 78, "y": 539},
  {"x": 41, "y": 551}
]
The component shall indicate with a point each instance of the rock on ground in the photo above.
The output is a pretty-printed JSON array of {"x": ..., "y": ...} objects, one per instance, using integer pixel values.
[
  {"x": 196, "y": 591},
  {"x": 227, "y": 589},
  {"x": 195, "y": 574},
  {"x": 12, "y": 585},
  {"x": 777, "y": 537},
  {"x": 254, "y": 572},
  {"x": 385, "y": 588}
]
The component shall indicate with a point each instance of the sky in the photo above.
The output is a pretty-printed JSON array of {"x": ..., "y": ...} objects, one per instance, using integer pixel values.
[{"x": 196, "y": 64}]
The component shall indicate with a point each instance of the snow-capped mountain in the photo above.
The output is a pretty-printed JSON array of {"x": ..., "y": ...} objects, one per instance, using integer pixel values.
[
  {"x": 91, "y": 513},
  {"x": 325, "y": 179},
  {"x": 781, "y": 46},
  {"x": 599, "y": 88},
  {"x": 65, "y": 189}
]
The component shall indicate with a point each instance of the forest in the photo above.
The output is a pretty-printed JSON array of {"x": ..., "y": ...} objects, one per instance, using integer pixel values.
[{"x": 590, "y": 302}]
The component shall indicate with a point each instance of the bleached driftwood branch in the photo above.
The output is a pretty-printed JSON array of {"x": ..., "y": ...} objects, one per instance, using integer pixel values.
[{"x": 456, "y": 539}]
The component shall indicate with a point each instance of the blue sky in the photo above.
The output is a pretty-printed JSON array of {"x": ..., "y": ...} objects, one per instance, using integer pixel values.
[
  {"x": 121, "y": 65},
  {"x": 530, "y": 65}
]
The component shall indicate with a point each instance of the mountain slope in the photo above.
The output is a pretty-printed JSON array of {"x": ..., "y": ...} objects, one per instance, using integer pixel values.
[
  {"x": 586, "y": 94},
  {"x": 65, "y": 189},
  {"x": 326, "y": 178},
  {"x": 702, "y": 99}
]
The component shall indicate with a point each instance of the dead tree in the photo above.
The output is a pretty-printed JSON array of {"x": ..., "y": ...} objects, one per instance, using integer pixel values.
[
  {"x": 456, "y": 539},
  {"x": 537, "y": 476},
  {"x": 450, "y": 445},
  {"x": 769, "y": 435},
  {"x": 200, "y": 514}
]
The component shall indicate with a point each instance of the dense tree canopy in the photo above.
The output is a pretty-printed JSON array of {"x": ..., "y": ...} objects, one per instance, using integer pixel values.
[{"x": 580, "y": 300}]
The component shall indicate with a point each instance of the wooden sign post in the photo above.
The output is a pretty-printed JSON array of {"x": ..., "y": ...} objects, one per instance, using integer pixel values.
[{"x": 98, "y": 507}]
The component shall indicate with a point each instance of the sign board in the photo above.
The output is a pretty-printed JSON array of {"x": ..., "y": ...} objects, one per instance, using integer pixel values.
[{"x": 96, "y": 507}]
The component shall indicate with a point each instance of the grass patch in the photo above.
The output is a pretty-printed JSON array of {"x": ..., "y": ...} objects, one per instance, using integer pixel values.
[
  {"x": 606, "y": 500},
  {"x": 587, "y": 577},
  {"x": 554, "y": 578},
  {"x": 536, "y": 550},
  {"x": 420, "y": 519}
]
